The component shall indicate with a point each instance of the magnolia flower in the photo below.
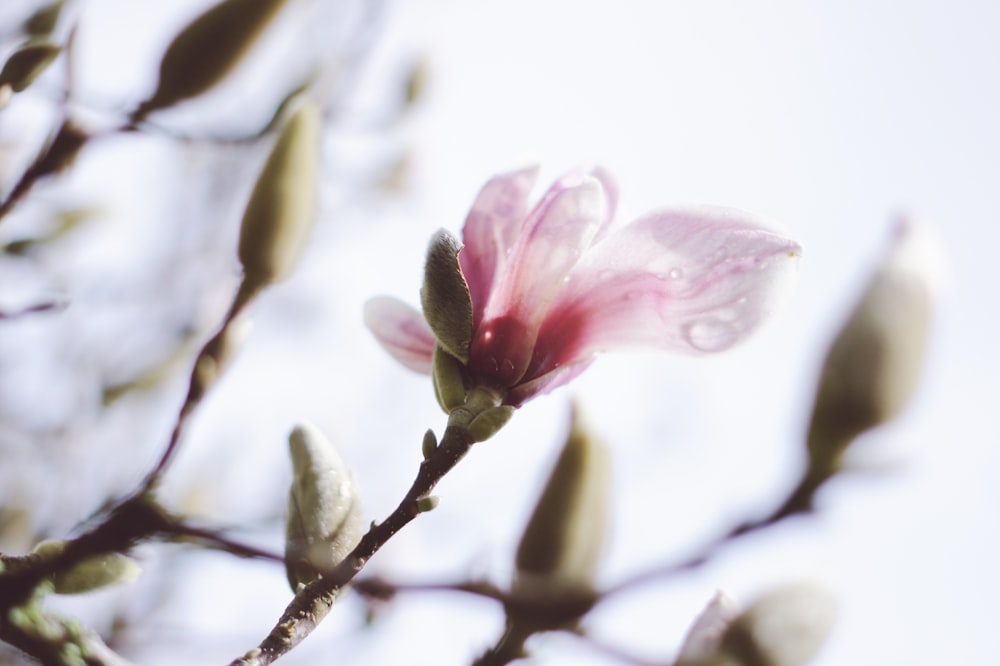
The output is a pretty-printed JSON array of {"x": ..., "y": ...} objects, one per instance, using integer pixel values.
[{"x": 553, "y": 285}]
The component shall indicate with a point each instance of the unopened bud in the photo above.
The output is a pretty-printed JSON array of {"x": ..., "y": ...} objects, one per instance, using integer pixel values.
[
  {"x": 429, "y": 503},
  {"x": 872, "y": 368},
  {"x": 449, "y": 385},
  {"x": 785, "y": 627},
  {"x": 282, "y": 208},
  {"x": 702, "y": 641},
  {"x": 91, "y": 574},
  {"x": 27, "y": 63},
  {"x": 207, "y": 50},
  {"x": 489, "y": 422},
  {"x": 429, "y": 445},
  {"x": 325, "y": 520},
  {"x": 43, "y": 21},
  {"x": 563, "y": 542},
  {"x": 445, "y": 296}
]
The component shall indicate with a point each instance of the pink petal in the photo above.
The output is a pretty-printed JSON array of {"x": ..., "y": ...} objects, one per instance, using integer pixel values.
[
  {"x": 554, "y": 236},
  {"x": 694, "y": 281},
  {"x": 490, "y": 231},
  {"x": 402, "y": 331},
  {"x": 550, "y": 381}
]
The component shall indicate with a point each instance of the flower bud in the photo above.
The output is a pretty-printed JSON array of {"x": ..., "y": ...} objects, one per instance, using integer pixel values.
[
  {"x": 43, "y": 21},
  {"x": 429, "y": 445},
  {"x": 282, "y": 208},
  {"x": 445, "y": 296},
  {"x": 325, "y": 519},
  {"x": 27, "y": 63},
  {"x": 563, "y": 542},
  {"x": 872, "y": 368},
  {"x": 207, "y": 50},
  {"x": 785, "y": 627},
  {"x": 702, "y": 641},
  {"x": 90, "y": 574}
]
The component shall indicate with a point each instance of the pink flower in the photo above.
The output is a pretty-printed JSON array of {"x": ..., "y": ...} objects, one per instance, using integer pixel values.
[{"x": 554, "y": 285}]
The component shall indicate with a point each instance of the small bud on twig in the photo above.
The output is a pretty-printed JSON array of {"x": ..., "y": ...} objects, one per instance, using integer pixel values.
[{"x": 91, "y": 574}]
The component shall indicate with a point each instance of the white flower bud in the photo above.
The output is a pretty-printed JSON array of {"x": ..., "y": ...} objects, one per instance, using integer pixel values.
[
  {"x": 705, "y": 635},
  {"x": 874, "y": 364},
  {"x": 785, "y": 627},
  {"x": 325, "y": 519}
]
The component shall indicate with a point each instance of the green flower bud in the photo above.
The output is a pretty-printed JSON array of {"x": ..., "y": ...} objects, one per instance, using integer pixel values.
[
  {"x": 449, "y": 385},
  {"x": 873, "y": 366},
  {"x": 44, "y": 19},
  {"x": 445, "y": 296},
  {"x": 429, "y": 445},
  {"x": 325, "y": 519},
  {"x": 91, "y": 574},
  {"x": 282, "y": 207},
  {"x": 429, "y": 503},
  {"x": 207, "y": 50},
  {"x": 563, "y": 542},
  {"x": 785, "y": 627},
  {"x": 489, "y": 422},
  {"x": 27, "y": 63}
]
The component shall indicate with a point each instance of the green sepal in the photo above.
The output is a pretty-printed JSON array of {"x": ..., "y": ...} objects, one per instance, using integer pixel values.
[
  {"x": 489, "y": 422},
  {"x": 449, "y": 385},
  {"x": 445, "y": 296}
]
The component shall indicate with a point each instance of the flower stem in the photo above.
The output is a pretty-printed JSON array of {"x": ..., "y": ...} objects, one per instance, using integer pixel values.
[{"x": 314, "y": 601}]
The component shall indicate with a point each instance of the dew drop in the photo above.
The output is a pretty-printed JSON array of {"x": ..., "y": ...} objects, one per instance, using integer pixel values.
[
  {"x": 676, "y": 273},
  {"x": 711, "y": 335}
]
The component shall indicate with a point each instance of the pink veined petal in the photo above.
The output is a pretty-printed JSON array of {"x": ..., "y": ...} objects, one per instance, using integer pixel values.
[
  {"x": 693, "y": 281},
  {"x": 610, "y": 188},
  {"x": 402, "y": 331},
  {"x": 490, "y": 231},
  {"x": 550, "y": 381},
  {"x": 554, "y": 236}
]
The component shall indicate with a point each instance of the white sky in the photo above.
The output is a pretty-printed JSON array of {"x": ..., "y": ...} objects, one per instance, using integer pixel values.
[{"x": 826, "y": 118}]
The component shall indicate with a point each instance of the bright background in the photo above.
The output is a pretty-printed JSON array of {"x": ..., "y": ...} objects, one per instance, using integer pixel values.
[{"x": 829, "y": 119}]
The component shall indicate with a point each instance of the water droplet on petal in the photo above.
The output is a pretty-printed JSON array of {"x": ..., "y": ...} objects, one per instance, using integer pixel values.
[
  {"x": 711, "y": 335},
  {"x": 676, "y": 273}
]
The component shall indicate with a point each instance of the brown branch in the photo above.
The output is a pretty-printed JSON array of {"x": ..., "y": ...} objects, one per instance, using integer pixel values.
[{"x": 314, "y": 601}]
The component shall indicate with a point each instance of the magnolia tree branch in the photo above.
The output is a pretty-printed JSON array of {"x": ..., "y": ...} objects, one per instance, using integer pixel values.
[{"x": 313, "y": 602}]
